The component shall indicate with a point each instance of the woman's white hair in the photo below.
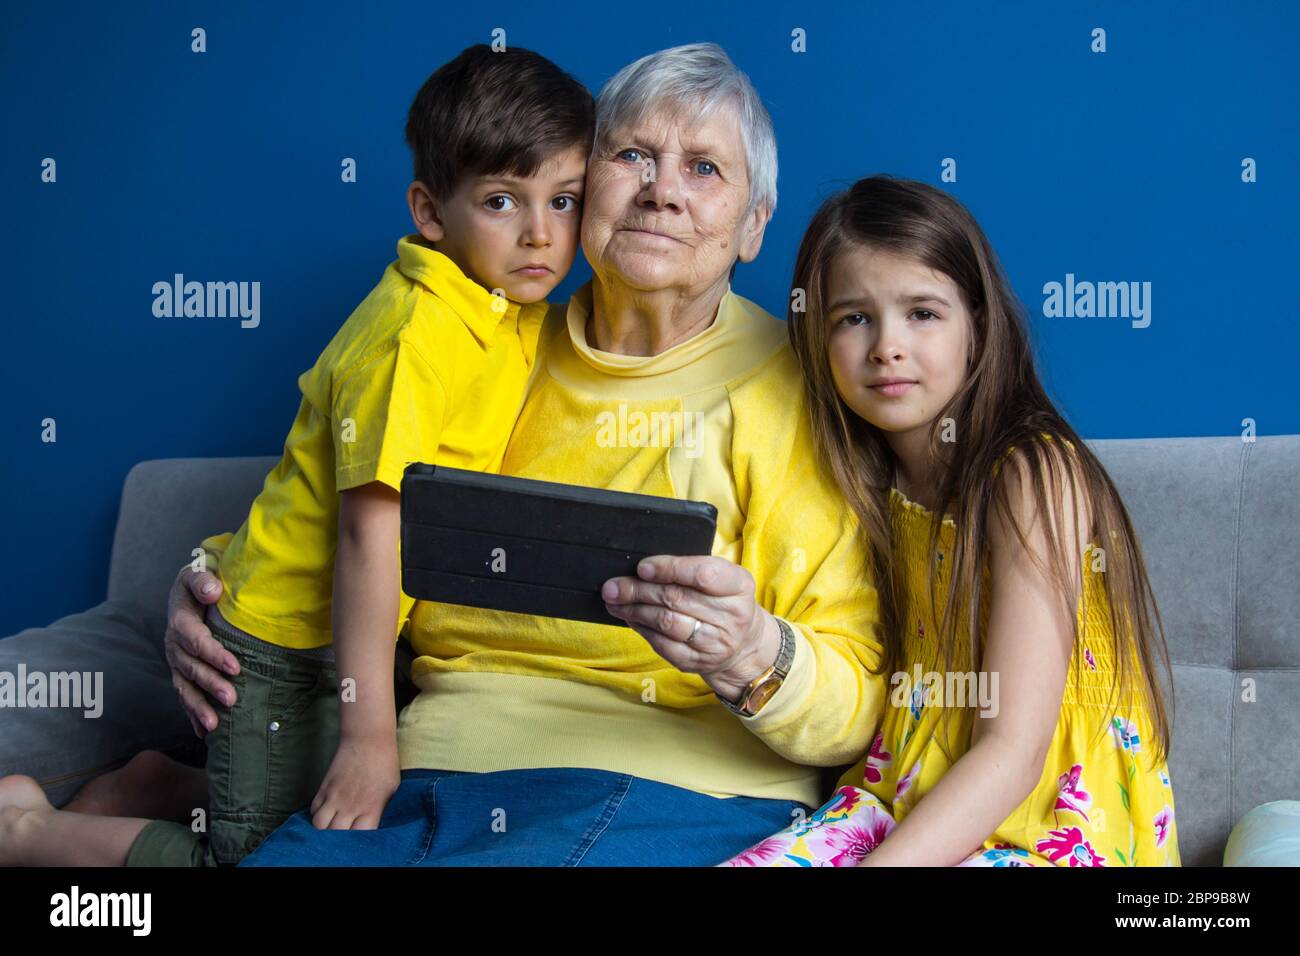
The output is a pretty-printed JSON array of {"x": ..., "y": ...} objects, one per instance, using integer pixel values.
[{"x": 699, "y": 77}]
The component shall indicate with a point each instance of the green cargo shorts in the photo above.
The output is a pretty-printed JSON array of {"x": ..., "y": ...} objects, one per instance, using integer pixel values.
[{"x": 266, "y": 759}]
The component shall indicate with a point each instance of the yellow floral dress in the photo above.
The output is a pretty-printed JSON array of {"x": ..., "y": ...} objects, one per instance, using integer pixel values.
[{"x": 1101, "y": 800}]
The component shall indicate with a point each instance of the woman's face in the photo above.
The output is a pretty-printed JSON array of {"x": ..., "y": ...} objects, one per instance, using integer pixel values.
[
  {"x": 895, "y": 318},
  {"x": 665, "y": 205}
]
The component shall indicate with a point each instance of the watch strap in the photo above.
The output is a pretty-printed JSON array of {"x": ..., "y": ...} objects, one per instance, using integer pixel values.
[{"x": 780, "y": 669}]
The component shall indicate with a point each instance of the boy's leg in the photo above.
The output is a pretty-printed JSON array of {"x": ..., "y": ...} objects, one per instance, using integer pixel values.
[
  {"x": 134, "y": 708},
  {"x": 152, "y": 785},
  {"x": 34, "y": 833},
  {"x": 156, "y": 786},
  {"x": 265, "y": 760}
]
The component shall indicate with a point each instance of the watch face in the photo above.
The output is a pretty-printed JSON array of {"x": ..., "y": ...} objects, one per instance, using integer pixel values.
[{"x": 762, "y": 694}]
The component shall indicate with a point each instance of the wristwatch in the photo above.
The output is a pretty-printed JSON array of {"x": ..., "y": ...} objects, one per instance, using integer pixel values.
[{"x": 761, "y": 688}]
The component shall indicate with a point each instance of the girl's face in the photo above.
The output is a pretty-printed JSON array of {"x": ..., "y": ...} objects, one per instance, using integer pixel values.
[{"x": 895, "y": 318}]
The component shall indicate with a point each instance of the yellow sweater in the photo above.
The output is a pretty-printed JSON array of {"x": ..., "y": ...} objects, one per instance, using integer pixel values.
[{"x": 716, "y": 418}]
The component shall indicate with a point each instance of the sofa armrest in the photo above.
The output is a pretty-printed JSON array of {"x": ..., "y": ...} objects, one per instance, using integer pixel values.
[{"x": 168, "y": 506}]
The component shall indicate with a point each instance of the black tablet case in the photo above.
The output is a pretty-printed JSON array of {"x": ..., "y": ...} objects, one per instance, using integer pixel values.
[{"x": 560, "y": 542}]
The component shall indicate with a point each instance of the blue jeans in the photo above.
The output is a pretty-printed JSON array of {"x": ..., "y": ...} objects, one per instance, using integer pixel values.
[{"x": 547, "y": 817}]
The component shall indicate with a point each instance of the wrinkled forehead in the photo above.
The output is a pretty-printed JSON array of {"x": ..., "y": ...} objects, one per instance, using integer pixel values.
[{"x": 697, "y": 126}]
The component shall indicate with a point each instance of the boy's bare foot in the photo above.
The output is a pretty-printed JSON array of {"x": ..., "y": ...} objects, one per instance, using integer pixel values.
[
  {"x": 34, "y": 833},
  {"x": 151, "y": 785},
  {"x": 22, "y": 802}
]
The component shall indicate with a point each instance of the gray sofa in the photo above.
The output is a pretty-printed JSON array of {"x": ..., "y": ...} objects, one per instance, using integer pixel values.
[{"x": 1219, "y": 520}]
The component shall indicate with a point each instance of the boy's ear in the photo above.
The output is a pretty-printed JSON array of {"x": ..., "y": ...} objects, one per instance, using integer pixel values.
[
  {"x": 424, "y": 212},
  {"x": 751, "y": 233}
]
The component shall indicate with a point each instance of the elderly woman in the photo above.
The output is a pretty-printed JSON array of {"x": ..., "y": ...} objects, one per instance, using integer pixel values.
[{"x": 702, "y": 726}]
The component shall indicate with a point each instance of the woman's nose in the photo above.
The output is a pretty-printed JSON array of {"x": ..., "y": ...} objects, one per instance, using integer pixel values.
[{"x": 661, "y": 185}]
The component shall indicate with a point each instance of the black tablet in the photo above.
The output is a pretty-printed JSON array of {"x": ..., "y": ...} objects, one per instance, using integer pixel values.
[{"x": 534, "y": 547}]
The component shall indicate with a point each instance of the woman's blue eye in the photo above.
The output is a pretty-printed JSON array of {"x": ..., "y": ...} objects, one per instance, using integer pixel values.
[
  {"x": 491, "y": 202},
  {"x": 623, "y": 154},
  {"x": 704, "y": 162}
]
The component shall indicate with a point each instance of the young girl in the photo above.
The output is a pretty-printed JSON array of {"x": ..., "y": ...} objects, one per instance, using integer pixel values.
[{"x": 1050, "y": 748}]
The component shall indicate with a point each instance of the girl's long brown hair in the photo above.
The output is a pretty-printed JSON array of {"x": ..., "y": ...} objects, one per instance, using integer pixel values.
[{"x": 1001, "y": 405}]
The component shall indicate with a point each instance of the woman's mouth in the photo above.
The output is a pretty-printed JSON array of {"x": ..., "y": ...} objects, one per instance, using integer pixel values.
[{"x": 647, "y": 234}]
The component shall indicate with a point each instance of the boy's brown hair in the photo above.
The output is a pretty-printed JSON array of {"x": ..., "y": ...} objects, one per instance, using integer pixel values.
[{"x": 495, "y": 113}]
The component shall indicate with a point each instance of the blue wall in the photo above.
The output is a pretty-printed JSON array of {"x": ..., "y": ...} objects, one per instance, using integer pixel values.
[{"x": 1117, "y": 166}]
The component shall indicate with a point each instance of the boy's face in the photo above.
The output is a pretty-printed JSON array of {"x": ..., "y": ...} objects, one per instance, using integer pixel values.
[{"x": 497, "y": 227}]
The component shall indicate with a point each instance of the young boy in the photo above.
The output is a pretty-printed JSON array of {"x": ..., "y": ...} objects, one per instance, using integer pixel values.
[{"x": 430, "y": 367}]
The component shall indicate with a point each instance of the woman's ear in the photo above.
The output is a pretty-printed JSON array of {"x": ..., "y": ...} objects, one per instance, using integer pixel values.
[
  {"x": 751, "y": 233},
  {"x": 424, "y": 212}
]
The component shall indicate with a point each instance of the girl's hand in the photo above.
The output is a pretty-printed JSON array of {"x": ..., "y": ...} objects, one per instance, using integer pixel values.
[
  {"x": 735, "y": 641},
  {"x": 362, "y": 777}
]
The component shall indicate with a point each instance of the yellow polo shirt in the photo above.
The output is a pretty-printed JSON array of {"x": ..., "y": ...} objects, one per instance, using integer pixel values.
[{"x": 431, "y": 367}]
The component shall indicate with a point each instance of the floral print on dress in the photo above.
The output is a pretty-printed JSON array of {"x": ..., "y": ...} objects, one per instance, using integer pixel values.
[
  {"x": 847, "y": 843},
  {"x": 917, "y": 702},
  {"x": 1162, "y": 821},
  {"x": 877, "y": 759},
  {"x": 1089, "y": 659},
  {"x": 905, "y": 783},
  {"x": 1000, "y": 855},
  {"x": 1070, "y": 794},
  {"x": 1126, "y": 735},
  {"x": 840, "y": 804},
  {"x": 761, "y": 854},
  {"x": 1068, "y": 844},
  {"x": 842, "y": 832}
]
